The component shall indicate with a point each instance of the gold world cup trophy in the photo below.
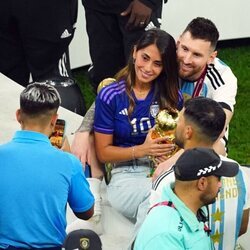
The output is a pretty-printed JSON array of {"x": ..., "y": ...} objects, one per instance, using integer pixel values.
[
  {"x": 105, "y": 82},
  {"x": 165, "y": 125}
]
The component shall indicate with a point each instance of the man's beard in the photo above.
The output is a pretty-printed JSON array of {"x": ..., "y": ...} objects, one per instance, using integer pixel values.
[
  {"x": 186, "y": 76},
  {"x": 191, "y": 75},
  {"x": 207, "y": 201},
  {"x": 178, "y": 141}
]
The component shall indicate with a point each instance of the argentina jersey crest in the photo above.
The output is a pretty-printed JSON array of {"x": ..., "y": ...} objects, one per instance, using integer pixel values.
[{"x": 154, "y": 109}]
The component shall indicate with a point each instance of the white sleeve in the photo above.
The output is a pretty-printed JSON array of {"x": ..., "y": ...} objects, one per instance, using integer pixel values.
[
  {"x": 157, "y": 188},
  {"x": 226, "y": 92}
]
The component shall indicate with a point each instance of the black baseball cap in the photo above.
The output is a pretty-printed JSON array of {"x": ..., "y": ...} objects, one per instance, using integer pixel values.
[
  {"x": 198, "y": 162},
  {"x": 82, "y": 239}
]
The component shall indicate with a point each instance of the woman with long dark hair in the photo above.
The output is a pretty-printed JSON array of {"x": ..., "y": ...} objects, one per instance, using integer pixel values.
[{"x": 125, "y": 112}]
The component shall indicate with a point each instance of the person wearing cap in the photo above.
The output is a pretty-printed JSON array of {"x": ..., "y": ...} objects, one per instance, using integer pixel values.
[
  {"x": 82, "y": 239},
  {"x": 37, "y": 180},
  {"x": 200, "y": 124},
  {"x": 179, "y": 221}
]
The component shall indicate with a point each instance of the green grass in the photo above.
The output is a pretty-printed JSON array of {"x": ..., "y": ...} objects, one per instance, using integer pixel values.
[
  {"x": 238, "y": 59},
  {"x": 83, "y": 81},
  {"x": 239, "y": 134}
]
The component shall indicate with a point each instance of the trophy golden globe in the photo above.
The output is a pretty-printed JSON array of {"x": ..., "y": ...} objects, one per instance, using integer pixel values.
[
  {"x": 165, "y": 125},
  {"x": 105, "y": 82}
]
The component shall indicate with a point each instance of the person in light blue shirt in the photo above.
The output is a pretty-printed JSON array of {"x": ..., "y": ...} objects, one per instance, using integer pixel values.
[
  {"x": 179, "y": 220},
  {"x": 38, "y": 180}
]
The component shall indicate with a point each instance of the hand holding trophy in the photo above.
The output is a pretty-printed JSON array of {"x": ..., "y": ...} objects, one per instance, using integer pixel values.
[{"x": 165, "y": 124}]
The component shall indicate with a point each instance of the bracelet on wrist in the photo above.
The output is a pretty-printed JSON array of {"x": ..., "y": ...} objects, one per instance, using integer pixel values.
[{"x": 133, "y": 153}]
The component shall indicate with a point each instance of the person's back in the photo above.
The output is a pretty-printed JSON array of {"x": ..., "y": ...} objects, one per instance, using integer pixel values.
[{"x": 36, "y": 182}]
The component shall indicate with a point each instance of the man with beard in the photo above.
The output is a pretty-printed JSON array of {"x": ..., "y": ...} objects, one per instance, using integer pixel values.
[
  {"x": 178, "y": 221},
  {"x": 200, "y": 124},
  {"x": 201, "y": 72}
]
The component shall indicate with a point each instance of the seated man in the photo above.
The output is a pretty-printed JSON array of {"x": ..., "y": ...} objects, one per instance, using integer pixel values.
[
  {"x": 37, "y": 180},
  {"x": 200, "y": 124},
  {"x": 178, "y": 222}
]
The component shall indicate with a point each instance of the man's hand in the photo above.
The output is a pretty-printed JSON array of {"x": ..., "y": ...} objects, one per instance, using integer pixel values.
[
  {"x": 81, "y": 147},
  {"x": 139, "y": 15},
  {"x": 166, "y": 165},
  {"x": 162, "y": 167}
]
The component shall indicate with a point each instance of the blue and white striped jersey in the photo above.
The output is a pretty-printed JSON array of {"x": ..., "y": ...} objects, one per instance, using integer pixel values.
[{"x": 220, "y": 84}]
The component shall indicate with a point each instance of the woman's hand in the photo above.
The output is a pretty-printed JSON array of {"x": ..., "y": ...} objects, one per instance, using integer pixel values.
[{"x": 156, "y": 147}]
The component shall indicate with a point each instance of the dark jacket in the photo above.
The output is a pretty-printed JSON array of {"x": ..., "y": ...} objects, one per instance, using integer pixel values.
[{"x": 117, "y": 6}]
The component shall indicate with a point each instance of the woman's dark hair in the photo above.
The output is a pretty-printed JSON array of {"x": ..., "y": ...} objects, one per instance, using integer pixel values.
[{"x": 167, "y": 81}]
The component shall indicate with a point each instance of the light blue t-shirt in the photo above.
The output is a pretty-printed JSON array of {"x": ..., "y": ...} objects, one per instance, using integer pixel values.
[
  {"x": 36, "y": 182},
  {"x": 176, "y": 228},
  {"x": 225, "y": 215}
]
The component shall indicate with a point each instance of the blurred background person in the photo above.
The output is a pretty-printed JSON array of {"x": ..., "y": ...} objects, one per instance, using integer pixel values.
[
  {"x": 34, "y": 38},
  {"x": 113, "y": 28}
]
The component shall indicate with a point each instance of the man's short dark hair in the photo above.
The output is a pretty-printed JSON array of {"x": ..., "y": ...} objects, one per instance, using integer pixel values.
[
  {"x": 203, "y": 28},
  {"x": 39, "y": 98},
  {"x": 207, "y": 115}
]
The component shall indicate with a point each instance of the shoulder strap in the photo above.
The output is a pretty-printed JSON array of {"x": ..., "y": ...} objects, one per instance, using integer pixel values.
[
  {"x": 200, "y": 216},
  {"x": 163, "y": 203}
]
